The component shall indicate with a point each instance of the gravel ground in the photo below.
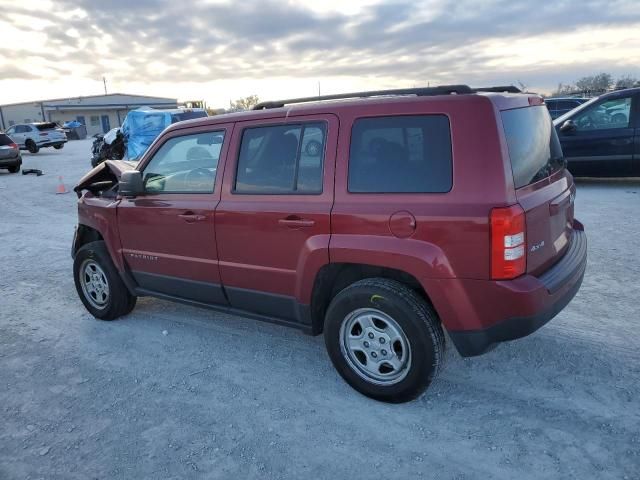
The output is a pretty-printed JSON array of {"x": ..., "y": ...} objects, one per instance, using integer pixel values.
[{"x": 178, "y": 392}]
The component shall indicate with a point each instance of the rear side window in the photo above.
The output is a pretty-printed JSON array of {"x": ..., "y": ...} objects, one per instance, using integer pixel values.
[
  {"x": 281, "y": 159},
  {"x": 534, "y": 148},
  {"x": 401, "y": 154},
  {"x": 5, "y": 140}
]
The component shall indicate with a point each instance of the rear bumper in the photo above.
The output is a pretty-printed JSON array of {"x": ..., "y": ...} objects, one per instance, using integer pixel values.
[
  {"x": 10, "y": 162},
  {"x": 508, "y": 310}
]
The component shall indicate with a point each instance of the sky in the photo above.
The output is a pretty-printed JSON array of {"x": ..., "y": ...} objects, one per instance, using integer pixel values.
[{"x": 219, "y": 51}]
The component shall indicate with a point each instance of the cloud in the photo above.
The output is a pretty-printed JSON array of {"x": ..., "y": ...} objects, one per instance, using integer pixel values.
[{"x": 436, "y": 41}]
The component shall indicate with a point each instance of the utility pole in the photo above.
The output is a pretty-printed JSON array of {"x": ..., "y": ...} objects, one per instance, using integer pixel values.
[
  {"x": 104, "y": 80},
  {"x": 318, "y": 88}
]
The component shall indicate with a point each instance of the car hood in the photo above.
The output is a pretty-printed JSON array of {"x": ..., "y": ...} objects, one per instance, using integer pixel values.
[{"x": 108, "y": 171}]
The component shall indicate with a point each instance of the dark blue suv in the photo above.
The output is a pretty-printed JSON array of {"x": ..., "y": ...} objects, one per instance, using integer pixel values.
[
  {"x": 560, "y": 106},
  {"x": 601, "y": 138}
]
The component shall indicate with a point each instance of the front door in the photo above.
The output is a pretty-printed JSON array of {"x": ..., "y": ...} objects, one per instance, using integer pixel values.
[
  {"x": 272, "y": 222},
  {"x": 106, "y": 125},
  {"x": 167, "y": 234},
  {"x": 602, "y": 142}
]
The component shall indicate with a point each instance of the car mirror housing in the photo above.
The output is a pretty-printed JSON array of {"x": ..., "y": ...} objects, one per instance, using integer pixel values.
[
  {"x": 130, "y": 183},
  {"x": 568, "y": 126}
]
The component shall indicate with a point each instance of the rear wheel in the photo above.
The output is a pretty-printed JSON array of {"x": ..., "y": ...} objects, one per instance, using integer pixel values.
[
  {"x": 15, "y": 169},
  {"x": 31, "y": 146},
  {"x": 384, "y": 339},
  {"x": 59, "y": 146},
  {"x": 98, "y": 283}
]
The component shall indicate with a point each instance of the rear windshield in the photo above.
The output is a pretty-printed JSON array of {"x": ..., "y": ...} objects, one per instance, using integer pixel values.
[
  {"x": 5, "y": 140},
  {"x": 46, "y": 126},
  {"x": 534, "y": 148},
  {"x": 179, "y": 117}
]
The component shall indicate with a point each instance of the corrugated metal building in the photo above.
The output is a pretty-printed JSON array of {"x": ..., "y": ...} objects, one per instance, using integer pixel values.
[{"x": 99, "y": 113}]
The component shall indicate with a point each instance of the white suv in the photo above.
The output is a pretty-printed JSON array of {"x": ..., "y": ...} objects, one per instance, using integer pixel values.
[{"x": 34, "y": 136}]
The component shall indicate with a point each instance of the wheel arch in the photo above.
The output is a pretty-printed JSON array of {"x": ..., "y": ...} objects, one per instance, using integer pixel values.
[
  {"x": 334, "y": 277},
  {"x": 85, "y": 234}
]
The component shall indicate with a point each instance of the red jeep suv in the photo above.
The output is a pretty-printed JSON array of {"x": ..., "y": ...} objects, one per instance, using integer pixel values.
[{"x": 379, "y": 218}]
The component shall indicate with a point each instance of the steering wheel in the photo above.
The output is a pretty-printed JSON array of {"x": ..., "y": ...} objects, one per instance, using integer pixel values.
[{"x": 199, "y": 179}]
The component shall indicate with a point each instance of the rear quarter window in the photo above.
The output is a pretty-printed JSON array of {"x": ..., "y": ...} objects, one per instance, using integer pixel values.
[
  {"x": 534, "y": 148},
  {"x": 401, "y": 154},
  {"x": 5, "y": 140}
]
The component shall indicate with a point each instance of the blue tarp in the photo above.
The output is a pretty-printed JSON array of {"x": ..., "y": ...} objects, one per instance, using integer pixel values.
[{"x": 141, "y": 127}]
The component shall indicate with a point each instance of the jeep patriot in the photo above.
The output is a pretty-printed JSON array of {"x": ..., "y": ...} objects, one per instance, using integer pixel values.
[{"x": 380, "y": 219}]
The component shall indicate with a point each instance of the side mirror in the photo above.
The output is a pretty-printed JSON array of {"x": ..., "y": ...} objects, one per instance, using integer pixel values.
[
  {"x": 568, "y": 126},
  {"x": 130, "y": 184}
]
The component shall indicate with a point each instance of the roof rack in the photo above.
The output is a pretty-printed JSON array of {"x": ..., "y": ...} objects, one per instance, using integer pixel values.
[{"x": 418, "y": 92}]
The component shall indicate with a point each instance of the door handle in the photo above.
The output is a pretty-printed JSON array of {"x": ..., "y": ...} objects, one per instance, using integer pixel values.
[
  {"x": 293, "y": 221},
  {"x": 191, "y": 217}
]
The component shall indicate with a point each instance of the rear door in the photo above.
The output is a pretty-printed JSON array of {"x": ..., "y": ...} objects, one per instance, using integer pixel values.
[
  {"x": 544, "y": 188},
  {"x": 602, "y": 143},
  {"x": 168, "y": 233},
  {"x": 273, "y": 219}
]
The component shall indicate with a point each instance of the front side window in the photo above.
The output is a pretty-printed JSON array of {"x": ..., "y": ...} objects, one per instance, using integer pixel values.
[
  {"x": 606, "y": 115},
  {"x": 402, "y": 154},
  {"x": 186, "y": 164},
  {"x": 281, "y": 159}
]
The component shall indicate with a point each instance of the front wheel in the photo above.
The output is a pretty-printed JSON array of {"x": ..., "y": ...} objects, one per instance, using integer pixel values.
[
  {"x": 32, "y": 147},
  {"x": 384, "y": 339},
  {"x": 59, "y": 146},
  {"x": 98, "y": 283}
]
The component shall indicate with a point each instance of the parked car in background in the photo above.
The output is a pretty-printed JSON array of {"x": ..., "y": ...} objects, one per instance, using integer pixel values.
[
  {"x": 139, "y": 129},
  {"x": 383, "y": 221},
  {"x": 34, "y": 136},
  {"x": 9, "y": 154},
  {"x": 601, "y": 137},
  {"x": 560, "y": 106}
]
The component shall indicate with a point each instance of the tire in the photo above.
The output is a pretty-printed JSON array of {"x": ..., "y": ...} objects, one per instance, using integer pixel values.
[
  {"x": 407, "y": 325},
  {"x": 31, "y": 146},
  {"x": 59, "y": 146},
  {"x": 14, "y": 169},
  {"x": 105, "y": 296}
]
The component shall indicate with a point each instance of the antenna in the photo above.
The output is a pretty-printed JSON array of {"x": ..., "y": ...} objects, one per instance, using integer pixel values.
[{"x": 104, "y": 80}]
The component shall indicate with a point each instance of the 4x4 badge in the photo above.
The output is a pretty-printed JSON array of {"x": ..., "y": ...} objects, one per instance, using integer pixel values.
[{"x": 537, "y": 246}]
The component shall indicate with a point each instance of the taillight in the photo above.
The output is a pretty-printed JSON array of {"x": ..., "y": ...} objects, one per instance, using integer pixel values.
[
  {"x": 13, "y": 145},
  {"x": 508, "y": 242}
]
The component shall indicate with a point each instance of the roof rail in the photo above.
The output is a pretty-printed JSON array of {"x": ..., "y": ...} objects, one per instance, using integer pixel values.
[
  {"x": 501, "y": 89},
  {"x": 419, "y": 92}
]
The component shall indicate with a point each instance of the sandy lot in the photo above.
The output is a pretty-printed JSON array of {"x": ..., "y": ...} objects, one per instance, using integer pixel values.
[{"x": 223, "y": 397}]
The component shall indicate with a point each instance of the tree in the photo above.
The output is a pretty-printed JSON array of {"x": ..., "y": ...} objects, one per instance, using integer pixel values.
[
  {"x": 246, "y": 103},
  {"x": 595, "y": 83},
  {"x": 627, "y": 81}
]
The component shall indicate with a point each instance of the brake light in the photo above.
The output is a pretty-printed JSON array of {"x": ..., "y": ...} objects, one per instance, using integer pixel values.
[
  {"x": 508, "y": 242},
  {"x": 13, "y": 145}
]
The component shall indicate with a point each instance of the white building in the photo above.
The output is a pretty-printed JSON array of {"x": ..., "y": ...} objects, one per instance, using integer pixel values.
[{"x": 99, "y": 113}]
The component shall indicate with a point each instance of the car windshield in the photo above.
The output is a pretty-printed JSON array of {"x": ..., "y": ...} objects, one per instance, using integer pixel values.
[{"x": 179, "y": 117}]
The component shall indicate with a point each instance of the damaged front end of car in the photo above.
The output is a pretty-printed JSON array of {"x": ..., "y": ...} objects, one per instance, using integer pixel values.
[{"x": 103, "y": 180}]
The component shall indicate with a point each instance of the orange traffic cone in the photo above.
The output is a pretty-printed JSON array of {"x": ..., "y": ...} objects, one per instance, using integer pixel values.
[{"x": 61, "y": 188}]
